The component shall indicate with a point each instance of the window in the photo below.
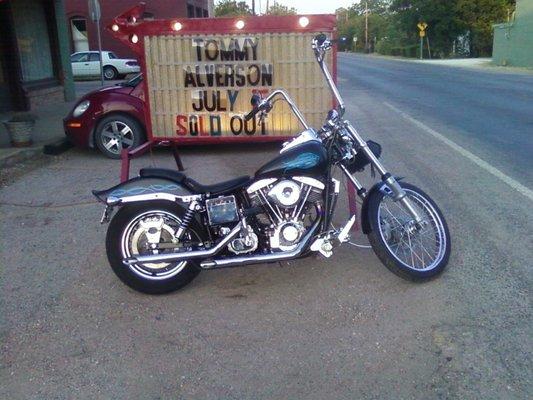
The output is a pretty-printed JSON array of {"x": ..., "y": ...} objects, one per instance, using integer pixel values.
[
  {"x": 199, "y": 13},
  {"x": 190, "y": 11},
  {"x": 206, "y": 13},
  {"x": 78, "y": 29},
  {"x": 79, "y": 57},
  {"x": 94, "y": 57},
  {"x": 111, "y": 55}
]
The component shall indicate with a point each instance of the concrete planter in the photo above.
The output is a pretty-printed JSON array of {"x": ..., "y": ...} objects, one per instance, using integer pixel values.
[{"x": 20, "y": 132}]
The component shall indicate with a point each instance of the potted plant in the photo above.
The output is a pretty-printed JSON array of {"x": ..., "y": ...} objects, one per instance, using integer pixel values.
[{"x": 20, "y": 127}]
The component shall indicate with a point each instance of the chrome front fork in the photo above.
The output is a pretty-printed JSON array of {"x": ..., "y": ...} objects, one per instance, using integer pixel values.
[{"x": 398, "y": 194}]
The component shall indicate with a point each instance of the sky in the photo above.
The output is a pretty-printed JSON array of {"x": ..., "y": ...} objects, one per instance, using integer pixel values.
[{"x": 310, "y": 6}]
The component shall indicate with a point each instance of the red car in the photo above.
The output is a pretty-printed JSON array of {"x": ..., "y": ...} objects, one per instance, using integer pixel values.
[{"x": 110, "y": 118}]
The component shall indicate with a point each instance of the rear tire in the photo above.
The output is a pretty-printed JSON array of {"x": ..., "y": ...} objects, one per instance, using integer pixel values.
[
  {"x": 388, "y": 236},
  {"x": 110, "y": 73},
  {"x": 124, "y": 238}
]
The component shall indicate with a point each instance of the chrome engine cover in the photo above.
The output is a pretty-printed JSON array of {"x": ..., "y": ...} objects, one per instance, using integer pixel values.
[
  {"x": 287, "y": 235},
  {"x": 285, "y": 203},
  {"x": 245, "y": 243},
  {"x": 285, "y": 193}
]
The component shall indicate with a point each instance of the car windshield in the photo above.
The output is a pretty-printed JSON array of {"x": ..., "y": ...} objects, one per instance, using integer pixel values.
[{"x": 134, "y": 81}]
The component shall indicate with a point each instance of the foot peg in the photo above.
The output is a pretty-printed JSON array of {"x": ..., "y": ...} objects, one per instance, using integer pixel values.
[{"x": 324, "y": 245}]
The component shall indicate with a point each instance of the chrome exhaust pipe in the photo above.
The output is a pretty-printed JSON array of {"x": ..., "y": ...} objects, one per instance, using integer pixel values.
[
  {"x": 244, "y": 260},
  {"x": 184, "y": 255}
]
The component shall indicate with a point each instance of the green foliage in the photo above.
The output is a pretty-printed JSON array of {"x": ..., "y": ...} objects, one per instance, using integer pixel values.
[
  {"x": 232, "y": 8},
  {"x": 479, "y": 24},
  {"x": 280, "y": 9},
  {"x": 354, "y": 26},
  {"x": 393, "y": 23}
]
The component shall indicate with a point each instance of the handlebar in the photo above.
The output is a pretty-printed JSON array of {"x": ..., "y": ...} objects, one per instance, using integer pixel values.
[{"x": 251, "y": 114}]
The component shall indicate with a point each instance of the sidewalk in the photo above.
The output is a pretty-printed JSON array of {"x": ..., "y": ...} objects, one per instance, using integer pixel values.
[{"x": 48, "y": 128}]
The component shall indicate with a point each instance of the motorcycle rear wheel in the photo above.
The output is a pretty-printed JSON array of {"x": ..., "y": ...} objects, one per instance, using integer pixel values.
[
  {"x": 412, "y": 254},
  {"x": 129, "y": 234}
]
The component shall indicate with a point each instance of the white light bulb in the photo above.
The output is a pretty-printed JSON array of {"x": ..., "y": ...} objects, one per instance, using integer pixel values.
[
  {"x": 177, "y": 26},
  {"x": 114, "y": 27},
  {"x": 134, "y": 38},
  {"x": 303, "y": 21},
  {"x": 239, "y": 24}
]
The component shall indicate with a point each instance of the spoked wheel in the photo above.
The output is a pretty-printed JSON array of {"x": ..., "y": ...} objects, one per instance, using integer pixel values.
[
  {"x": 410, "y": 251},
  {"x": 149, "y": 229}
]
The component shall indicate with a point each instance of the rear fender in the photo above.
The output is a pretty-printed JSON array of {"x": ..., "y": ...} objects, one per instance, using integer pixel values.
[{"x": 141, "y": 189}]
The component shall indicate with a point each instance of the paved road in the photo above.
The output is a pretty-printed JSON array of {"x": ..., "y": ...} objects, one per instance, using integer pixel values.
[
  {"x": 488, "y": 113},
  {"x": 343, "y": 328}
]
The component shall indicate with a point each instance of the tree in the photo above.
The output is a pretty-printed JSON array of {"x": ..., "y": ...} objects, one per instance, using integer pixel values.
[
  {"x": 351, "y": 24},
  {"x": 380, "y": 7},
  {"x": 477, "y": 18},
  {"x": 232, "y": 8},
  {"x": 440, "y": 15},
  {"x": 280, "y": 9}
]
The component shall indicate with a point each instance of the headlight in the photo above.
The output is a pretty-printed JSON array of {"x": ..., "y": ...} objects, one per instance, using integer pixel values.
[{"x": 81, "y": 108}]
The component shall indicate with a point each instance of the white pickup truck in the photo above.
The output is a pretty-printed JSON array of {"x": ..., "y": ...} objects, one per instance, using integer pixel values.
[{"x": 87, "y": 63}]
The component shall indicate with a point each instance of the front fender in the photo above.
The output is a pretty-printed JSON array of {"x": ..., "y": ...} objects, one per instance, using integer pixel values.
[
  {"x": 365, "y": 220},
  {"x": 141, "y": 189}
]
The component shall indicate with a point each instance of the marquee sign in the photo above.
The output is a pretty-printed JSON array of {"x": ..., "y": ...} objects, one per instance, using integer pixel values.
[{"x": 201, "y": 73}]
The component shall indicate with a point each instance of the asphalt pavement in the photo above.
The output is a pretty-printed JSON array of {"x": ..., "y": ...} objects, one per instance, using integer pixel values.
[{"x": 341, "y": 328}]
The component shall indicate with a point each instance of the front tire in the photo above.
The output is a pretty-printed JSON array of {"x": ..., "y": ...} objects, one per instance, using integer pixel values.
[
  {"x": 413, "y": 254},
  {"x": 131, "y": 233},
  {"x": 117, "y": 132}
]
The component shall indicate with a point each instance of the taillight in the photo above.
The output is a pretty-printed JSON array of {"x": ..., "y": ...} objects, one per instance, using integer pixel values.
[{"x": 132, "y": 63}]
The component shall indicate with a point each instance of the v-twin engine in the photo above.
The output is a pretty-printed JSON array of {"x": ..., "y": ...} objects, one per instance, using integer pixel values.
[{"x": 288, "y": 208}]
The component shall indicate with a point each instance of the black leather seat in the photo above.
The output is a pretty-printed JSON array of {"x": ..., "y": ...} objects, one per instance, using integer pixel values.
[{"x": 194, "y": 186}]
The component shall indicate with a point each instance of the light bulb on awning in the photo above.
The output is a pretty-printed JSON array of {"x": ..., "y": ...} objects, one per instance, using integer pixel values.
[{"x": 303, "y": 21}]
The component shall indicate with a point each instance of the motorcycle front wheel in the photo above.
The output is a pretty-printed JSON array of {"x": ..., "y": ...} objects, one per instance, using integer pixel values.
[{"x": 411, "y": 252}]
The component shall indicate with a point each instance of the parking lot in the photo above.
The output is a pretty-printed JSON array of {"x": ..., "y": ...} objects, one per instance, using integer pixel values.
[{"x": 338, "y": 328}]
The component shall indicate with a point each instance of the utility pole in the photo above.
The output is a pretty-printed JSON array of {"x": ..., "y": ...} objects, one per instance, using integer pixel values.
[
  {"x": 253, "y": 7},
  {"x": 96, "y": 15},
  {"x": 266, "y": 11},
  {"x": 366, "y": 26}
]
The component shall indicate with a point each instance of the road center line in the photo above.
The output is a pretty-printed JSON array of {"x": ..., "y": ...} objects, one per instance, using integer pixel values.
[{"x": 472, "y": 157}]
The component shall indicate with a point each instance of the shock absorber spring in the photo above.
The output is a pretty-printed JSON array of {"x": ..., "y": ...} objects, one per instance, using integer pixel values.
[{"x": 186, "y": 220}]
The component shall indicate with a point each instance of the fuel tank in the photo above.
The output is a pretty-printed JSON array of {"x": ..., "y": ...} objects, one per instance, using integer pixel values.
[{"x": 307, "y": 159}]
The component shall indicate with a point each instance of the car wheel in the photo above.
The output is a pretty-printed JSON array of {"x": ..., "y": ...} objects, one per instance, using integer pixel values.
[
  {"x": 117, "y": 132},
  {"x": 110, "y": 73}
]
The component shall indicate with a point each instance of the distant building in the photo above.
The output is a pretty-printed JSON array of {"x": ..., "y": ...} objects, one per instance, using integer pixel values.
[
  {"x": 83, "y": 33},
  {"x": 513, "y": 40},
  {"x": 34, "y": 54}
]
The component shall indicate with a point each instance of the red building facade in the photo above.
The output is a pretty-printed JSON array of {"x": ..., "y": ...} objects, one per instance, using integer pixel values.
[{"x": 83, "y": 33}]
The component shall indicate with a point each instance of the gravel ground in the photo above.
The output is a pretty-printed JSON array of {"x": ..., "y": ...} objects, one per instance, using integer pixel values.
[{"x": 340, "y": 328}]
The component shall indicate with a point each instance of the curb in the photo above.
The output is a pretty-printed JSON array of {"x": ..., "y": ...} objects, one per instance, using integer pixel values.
[{"x": 19, "y": 155}]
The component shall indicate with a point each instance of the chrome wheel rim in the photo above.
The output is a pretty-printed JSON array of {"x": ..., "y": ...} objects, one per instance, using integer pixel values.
[
  {"x": 116, "y": 135},
  {"x": 420, "y": 249},
  {"x": 151, "y": 227}
]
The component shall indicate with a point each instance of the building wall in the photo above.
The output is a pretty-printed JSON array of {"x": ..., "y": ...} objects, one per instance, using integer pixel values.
[
  {"x": 34, "y": 61},
  {"x": 158, "y": 9},
  {"x": 513, "y": 41}
]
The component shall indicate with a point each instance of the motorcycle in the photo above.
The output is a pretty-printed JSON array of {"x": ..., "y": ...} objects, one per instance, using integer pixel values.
[{"x": 169, "y": 227}]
